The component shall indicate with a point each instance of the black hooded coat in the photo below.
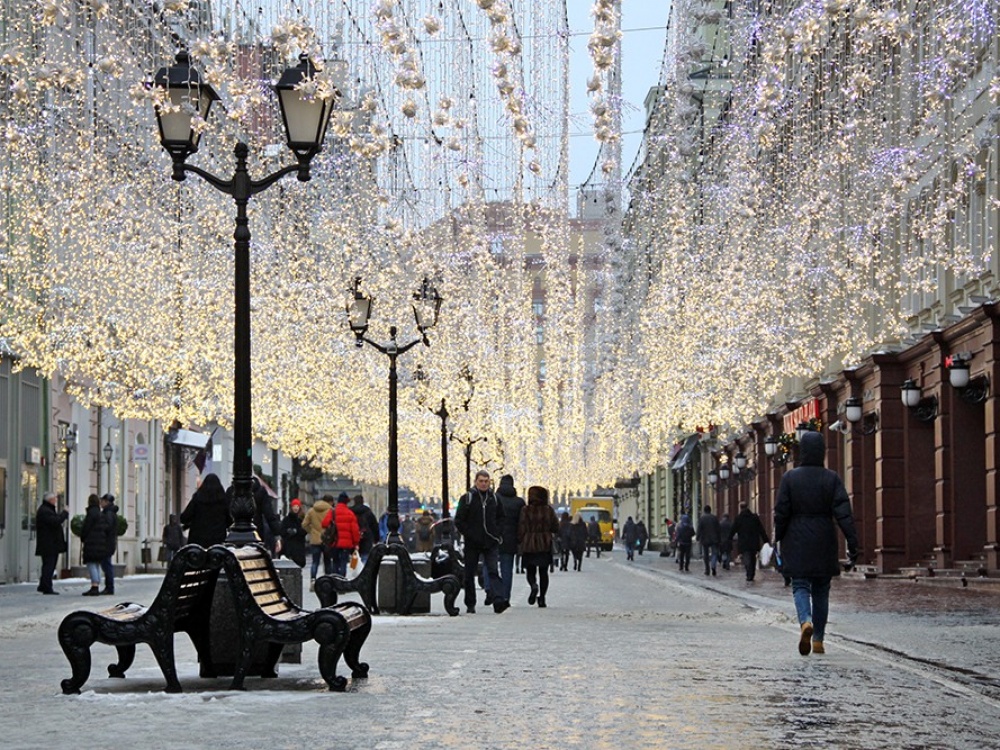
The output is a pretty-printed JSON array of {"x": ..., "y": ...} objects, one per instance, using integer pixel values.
[
  {"x": 512, "y": 505},
  {"x": 812, "y": 502}
]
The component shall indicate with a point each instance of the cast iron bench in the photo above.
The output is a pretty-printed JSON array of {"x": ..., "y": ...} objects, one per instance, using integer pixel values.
[
  {"x": 266, "y": 615},
  {"x": 183, "y": 604},
  {"x": 329, "y": 586}
]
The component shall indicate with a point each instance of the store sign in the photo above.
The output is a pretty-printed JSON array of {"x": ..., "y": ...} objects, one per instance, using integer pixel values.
[
  {"x": 140, "y": 453},
  {"x": 805, "y": 412}
]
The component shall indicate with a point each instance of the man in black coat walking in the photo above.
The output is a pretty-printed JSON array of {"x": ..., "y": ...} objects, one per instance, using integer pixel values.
[
  {"x": 812, "y": 502},
  {"x": 749, "y": 533},
  {"x": 51, "y": 541},
  {"x": 709, "y": 535},
  {"x": 367, "y": 524},
  {"x": 478, "y": 519}
]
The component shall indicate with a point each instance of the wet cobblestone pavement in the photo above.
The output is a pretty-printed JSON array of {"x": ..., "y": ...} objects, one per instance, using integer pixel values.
[{"x": 627, "y": 655}]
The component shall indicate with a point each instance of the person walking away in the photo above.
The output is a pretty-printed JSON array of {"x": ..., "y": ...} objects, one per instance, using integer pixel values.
[
  {"x": 110, "y": 510},
  {"x": 565, "y": 541},
  {"x": 424, "y": 532},
  {"x": 578, "y": 540},
  {"x": 684, "y": 535},
  {"x": 293, "y": 534},
  {"x": 629, "y": 537},
  {"x": 812, "y": 502},
  {"x": 513, "y": 506},
  {"x": 95, "y": 543},
  {"x": 594, "y": 536},
  {"x": 348, "y": 533},
  {"x": 726, "y": 540},
  {"x": 368, "y": 525},
  {"x": 641, "y": 536},
  {"x": 749, "y": 533},
  {"x": 206, "y": 516},
  {"x": 671, "y": 546},
  {"x": 50, "y": 540},
  {"x": 313, "y": 524},
  {"x": 172, "y": 538},
  {"x": 477, "y": 519},
  {"x": 535, "y": 528},
  {"x": 708, "y": 535}
]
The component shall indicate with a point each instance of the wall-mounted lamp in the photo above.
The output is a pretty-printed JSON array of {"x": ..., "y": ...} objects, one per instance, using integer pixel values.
[
  {"x": 801, "y": 430},
  {"x": 853, "y": 414},
  {"x": 741, "y": 461},
  {"x": 971, "y": 390},
  {"x": 713, "y": 477},
  {"x": 724, "y": 472},
  {"x": 924, "y": 409},
  {"x": 776, "y": 450}
]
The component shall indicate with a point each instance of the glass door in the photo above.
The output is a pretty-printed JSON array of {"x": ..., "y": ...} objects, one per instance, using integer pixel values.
[{"x": 28, "y": 566}]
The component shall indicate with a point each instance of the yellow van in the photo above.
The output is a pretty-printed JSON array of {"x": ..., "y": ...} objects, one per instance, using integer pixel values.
[{"x": 600, "y": 508}]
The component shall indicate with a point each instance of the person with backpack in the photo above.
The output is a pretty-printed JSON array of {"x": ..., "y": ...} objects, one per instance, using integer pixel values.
[
  {"x": 313, "y": 524},
  {"x": 424, "y": 532}
]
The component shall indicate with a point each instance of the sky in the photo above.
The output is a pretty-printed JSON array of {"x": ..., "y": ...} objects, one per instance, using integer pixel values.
[{"x": 644, "y": 26}]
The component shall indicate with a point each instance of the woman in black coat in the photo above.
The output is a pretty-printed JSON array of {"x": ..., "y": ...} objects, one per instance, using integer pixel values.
[
  {"x": 578, "y": 540},
  {"x": 812, "y": 502},
  {"x": 207, "y": 515},
  {"x": 94, "y": 536}
]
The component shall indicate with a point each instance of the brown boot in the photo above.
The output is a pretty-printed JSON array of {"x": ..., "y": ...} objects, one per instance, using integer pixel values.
[
  {"x": 818, "y": 647},
  {"x": 804, "y": 637}
]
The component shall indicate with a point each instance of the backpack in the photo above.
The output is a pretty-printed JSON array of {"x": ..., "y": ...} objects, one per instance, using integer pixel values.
[{"x": 329, "y": 536}]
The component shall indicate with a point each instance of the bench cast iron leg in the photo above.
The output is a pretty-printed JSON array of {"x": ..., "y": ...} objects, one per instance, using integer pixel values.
[
  {"x": 76, "y": 638},
  {"x": 352, "y": 653},
  {"x": 126, "y": 655},
  {"x": 164, "y": 653}
]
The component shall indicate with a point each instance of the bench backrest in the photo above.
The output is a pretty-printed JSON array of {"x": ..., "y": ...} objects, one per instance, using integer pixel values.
[
  {"x": 189, "y": 582},
  {"x": 262, "y": 580}
]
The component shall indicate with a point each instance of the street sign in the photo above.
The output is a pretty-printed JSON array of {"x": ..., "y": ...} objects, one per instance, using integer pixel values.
[{"x": 140, "y": 453}]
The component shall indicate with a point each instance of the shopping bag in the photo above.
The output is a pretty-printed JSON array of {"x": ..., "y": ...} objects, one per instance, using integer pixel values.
[
  {"x": 765, "y": 555},
  {"x": 354, "y": 566}
]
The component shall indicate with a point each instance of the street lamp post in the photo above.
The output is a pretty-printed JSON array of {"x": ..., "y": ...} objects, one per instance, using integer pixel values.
[
  {"x": 180, "y": 115},
  {"x": 69, "y": 444},
  {"x": 108, "y": 453},
  {"x": 426, "y": 306}
]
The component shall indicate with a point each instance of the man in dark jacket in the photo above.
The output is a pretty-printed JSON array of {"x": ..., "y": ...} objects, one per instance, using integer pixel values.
[
  {"x": 478, "y": 519},
  {"x": 50, "y": 541},
  {"x": 812, "y": 502},
  {"x": 709, "y": 535},
  {"x": 512, "y": 505},
  {"x": 110, "y": 511},
  {"x": 368, "y": 525},
  {"x": 749, "y": 533}
]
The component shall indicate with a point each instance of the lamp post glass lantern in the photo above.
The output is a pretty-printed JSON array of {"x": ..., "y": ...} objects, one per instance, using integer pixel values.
[
  {"x": 359, "y": 311},
  {"x": 852, "y": 409},
  {"x": 182, "y": 108}
]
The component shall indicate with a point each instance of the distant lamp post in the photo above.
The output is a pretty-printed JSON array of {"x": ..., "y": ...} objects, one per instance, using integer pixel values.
[
  {"x": 69, "y": 441},
  {"x": 181, "y": 115},
  {"x": 108, "y": 453},
  {"x": 426, "y": 306}
]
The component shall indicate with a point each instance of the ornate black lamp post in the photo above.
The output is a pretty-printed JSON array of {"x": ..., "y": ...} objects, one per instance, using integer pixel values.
[
  {"x": 108, "y": 453},
  {"x": 69, "y": 444},
  {"x": 180, "y": 117},
  {"x": 426, "y": 306}
]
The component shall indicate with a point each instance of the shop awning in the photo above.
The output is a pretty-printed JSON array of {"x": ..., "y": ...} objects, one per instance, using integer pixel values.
[{"x": 690, "y": 446}]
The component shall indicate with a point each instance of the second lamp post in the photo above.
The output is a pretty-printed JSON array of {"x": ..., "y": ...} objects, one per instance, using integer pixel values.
[{"x": 426, "y": 306}]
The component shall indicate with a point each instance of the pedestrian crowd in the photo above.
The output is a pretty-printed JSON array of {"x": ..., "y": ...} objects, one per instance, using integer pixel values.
[{"x": 502, "y": 535}]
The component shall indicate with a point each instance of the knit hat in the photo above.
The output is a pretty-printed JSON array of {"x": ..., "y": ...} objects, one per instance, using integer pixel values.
[
  {"x": 296, "y": 503},
  {"x": 343, "y": 498}
]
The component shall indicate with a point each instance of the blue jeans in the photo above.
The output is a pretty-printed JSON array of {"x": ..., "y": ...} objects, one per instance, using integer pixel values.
[
  {"x": 94, "y": 568},
  {"x": 109, "y": 573},
  {"x": 491, "y": 578},
  {"x": 341, "y": 556},
  {"x": 317, "y": 552},
  {"x": 812, "y": 602},
  {"x": 710, "y": 553},
  {"x": 506, "y": 576}
]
